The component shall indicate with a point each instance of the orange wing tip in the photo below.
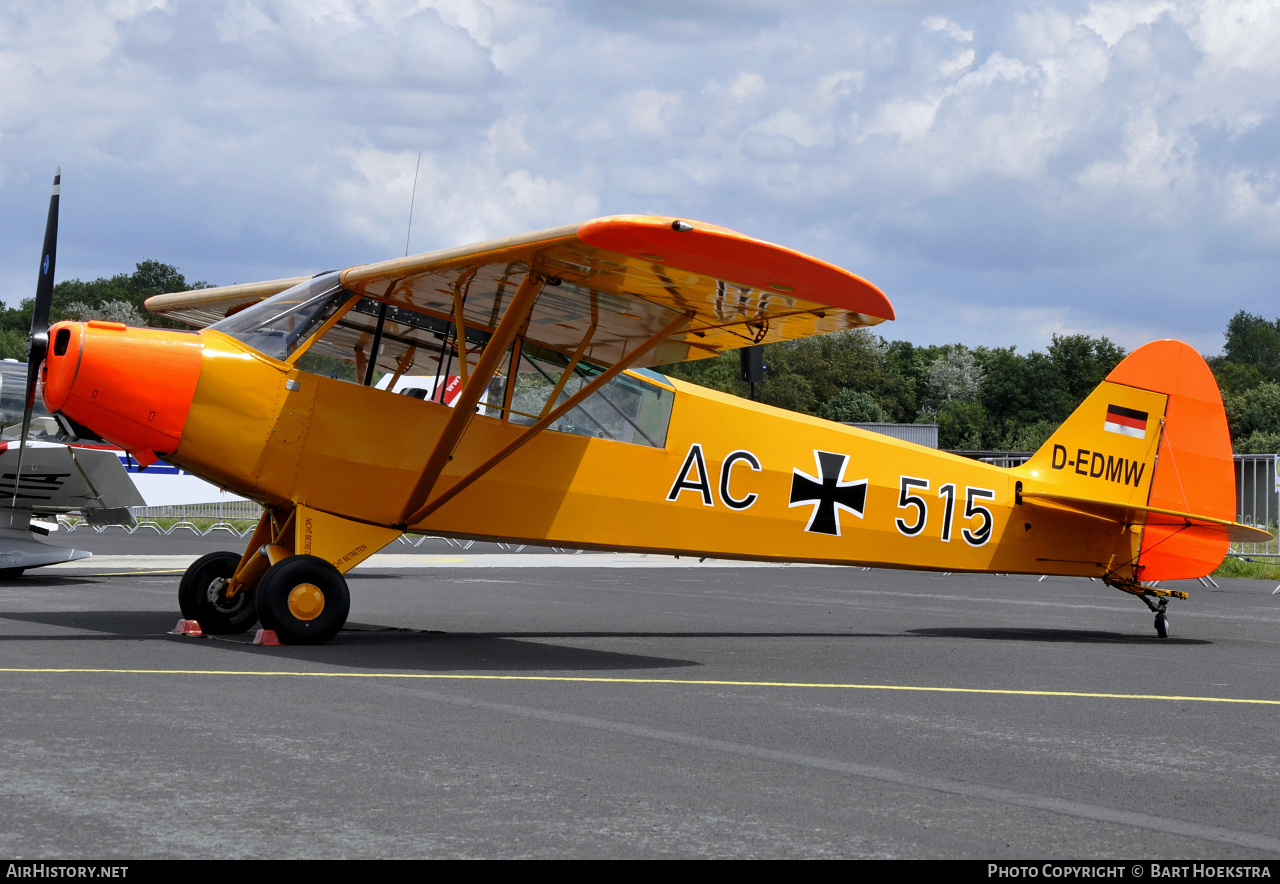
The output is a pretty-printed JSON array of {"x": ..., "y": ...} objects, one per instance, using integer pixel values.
[{"x": 735, "y": 258}]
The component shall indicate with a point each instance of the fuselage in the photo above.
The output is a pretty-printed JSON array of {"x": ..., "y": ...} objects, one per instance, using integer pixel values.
[{"x": 721, "y": 477}]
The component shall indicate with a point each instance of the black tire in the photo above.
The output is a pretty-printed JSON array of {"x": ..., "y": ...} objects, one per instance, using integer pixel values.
[
  {"x": 1162, "y": 626},
  {"x": 201, "y": 598},
  {"x": 11, "y": 573},
  {"x": 303, "y": 574}
]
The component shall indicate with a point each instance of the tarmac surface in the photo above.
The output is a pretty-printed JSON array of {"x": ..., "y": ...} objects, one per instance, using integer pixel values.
[{"x": 489, "y": 704}]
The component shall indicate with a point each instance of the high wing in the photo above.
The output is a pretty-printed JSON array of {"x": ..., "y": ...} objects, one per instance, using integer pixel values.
[
  {"x": 203, "y": 307},
  {"x": 614, "y": 282}
]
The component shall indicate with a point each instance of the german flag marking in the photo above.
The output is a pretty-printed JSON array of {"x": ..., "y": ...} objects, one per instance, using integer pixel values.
[{"x": 1126, "y": 421}]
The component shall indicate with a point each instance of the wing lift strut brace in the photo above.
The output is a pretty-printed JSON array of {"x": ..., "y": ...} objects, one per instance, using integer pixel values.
[{"x": 420, "y": 505}]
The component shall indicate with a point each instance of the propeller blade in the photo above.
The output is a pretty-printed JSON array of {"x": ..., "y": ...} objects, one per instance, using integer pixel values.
[{"x": 38, "y": 341}]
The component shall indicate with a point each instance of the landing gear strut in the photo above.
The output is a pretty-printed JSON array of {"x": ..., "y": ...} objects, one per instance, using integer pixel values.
[
  {"x": 302, "y": 597},
  {"x": 1162, "y": 621},
  {"x": 1147, "y": 593}
]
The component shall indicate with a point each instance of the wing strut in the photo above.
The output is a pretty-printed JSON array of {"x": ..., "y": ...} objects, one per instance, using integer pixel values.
[
  {"x": 568, "y": 371},
  {"x": 460, "y": 327},
  {"x": 465, "y": 408},
  {"x": 671, "y": 328}
]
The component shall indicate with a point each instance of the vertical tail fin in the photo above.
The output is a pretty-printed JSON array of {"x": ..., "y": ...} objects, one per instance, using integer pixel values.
[{"x": 1153, "y": 434}]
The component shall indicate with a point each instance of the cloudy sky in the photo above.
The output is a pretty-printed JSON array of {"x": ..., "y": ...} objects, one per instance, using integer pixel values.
[{"x": 1004, "y": 171}]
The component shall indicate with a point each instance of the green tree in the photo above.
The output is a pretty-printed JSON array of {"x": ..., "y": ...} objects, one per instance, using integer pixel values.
[
  {"x": 955, "y": 376},
  {"x": 962, "y": 425},
  {"x": 1232, "y": 377},
  {"x": 1253, "y": 412},
  {"x": 13, "y": 344},
  {"x": 1259, "y": 442},
  {"x": 121, "y": 297},
  {"x": 118, "y": 298},
  {"x": 719, "y": 372},
  {"x": 1083, "y": 363},
  {"x": 1030, "y": 437},
  {"x": 1252, "y": 340},
  {"x": 790, "y": 391},
  {"x": 805, "y": 374},
  {"x": 853, "y": 406}
]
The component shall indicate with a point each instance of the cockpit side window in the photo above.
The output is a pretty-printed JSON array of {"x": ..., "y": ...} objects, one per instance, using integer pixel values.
[
  {"x": 280, "y": 324},
  {"x": 626, "y": 409}
]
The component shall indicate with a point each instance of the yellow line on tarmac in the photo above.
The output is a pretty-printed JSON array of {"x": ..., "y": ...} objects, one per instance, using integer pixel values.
[
  {"x": 128, "y": 573},
  {"x": 691, "y": 682}
]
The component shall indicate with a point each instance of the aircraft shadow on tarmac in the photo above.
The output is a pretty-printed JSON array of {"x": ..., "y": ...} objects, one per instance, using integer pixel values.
[
  {"x": 368, "y": 646},
  {"x": 109, "y": 625},
  {"x": 365, "y": 647},
  {"x": 34, "y": 582},
  {"x": 1069, "y": 636}
]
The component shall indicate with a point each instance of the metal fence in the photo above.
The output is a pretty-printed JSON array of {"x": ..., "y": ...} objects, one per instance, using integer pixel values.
[
  {"x": 183, "y": 526},
  {"x": 1258, "y": 500},
  {"x": 223, "y": 510},
  {"x": 1006, "y": 459}
]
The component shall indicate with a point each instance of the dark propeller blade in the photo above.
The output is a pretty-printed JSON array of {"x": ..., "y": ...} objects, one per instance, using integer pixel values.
[{"x": 38, "y": 342}]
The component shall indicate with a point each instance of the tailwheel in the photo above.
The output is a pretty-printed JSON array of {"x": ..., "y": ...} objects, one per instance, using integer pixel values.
[
  {"x": 304, "y": 599},
  {"x": 202, "y": 595},
  {"x": 1145, "y": 594}
]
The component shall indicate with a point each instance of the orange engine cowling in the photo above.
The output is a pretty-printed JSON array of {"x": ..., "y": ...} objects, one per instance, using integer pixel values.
[{"x": 131, "y": 386}]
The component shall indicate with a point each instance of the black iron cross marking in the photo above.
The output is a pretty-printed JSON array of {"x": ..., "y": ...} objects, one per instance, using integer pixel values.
[{"x": 828, "y": 494}]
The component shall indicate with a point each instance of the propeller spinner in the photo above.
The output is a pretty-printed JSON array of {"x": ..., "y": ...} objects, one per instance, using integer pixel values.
[{"x": 38, "y": 341}]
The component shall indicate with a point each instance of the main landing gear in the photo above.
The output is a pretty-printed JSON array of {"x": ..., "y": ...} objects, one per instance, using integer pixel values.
[
  {"x": 1146, "y": 594},
  {"x": 303, "y": 598},
  {"x": 203, "y": 596}
]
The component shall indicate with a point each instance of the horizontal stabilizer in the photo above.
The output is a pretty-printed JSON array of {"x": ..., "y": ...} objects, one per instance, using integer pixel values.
[{"x": 1132, "y": 514}]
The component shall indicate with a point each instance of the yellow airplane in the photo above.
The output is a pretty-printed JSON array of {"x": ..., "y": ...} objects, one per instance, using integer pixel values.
[{"x": 560, "y": 435}]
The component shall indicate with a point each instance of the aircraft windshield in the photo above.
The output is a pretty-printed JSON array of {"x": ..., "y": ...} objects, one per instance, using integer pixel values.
[{"x": 278, "y": 325}]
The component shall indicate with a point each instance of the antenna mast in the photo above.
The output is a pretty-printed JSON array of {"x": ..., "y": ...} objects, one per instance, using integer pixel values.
[{"x": 411, "y": 199}]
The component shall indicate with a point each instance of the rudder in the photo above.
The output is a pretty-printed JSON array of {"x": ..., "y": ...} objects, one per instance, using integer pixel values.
[
  {"x": 1195, "y": 472},
  {"x": 1153, "y": 434}
]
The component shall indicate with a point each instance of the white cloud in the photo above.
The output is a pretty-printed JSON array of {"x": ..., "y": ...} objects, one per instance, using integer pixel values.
[
  {"x": 649, "y": 111},
  {"x": 1239, "y": 34},
  {"x": 746, "y": 85},
  {"x": 1006, "y": 163},
  {"x": 1114, "y": 19},
  {"x": 938, "y": 23},
  {"x": 910, "y": 119},
  {"x": 961, "y": 61},
  {"x": 1152, "y": 161}
]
